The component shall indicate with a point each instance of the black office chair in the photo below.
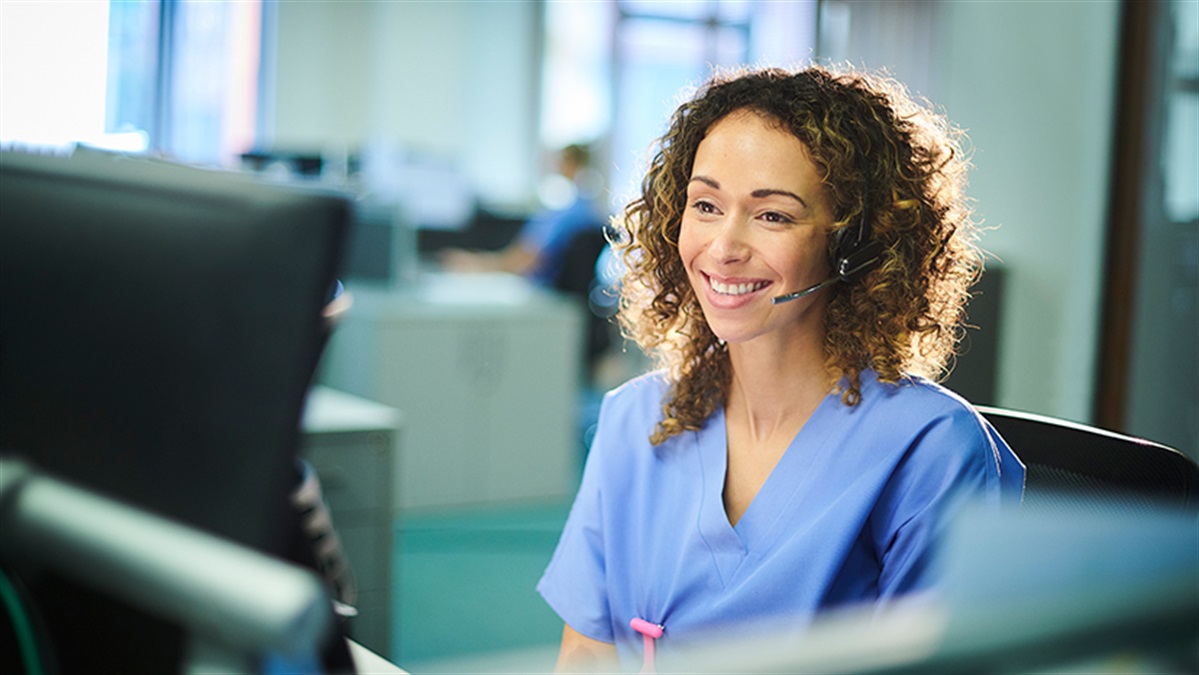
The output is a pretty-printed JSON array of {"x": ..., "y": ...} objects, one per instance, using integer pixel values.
[
  {"x": 1069, "y": 463},
  {"x": 577, "y": 278}
]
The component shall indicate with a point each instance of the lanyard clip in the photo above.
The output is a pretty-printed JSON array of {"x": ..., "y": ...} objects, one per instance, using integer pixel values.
[{"x": 649, "y": 633}]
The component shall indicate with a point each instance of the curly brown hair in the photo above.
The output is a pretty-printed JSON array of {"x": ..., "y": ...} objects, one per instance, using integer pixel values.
[{"x": 883, "y": 157}]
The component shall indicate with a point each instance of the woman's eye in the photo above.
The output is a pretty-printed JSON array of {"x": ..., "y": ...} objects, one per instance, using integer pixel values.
[
  {"x": 775, "y": 217},
  {"x": 704, "y": 207}
]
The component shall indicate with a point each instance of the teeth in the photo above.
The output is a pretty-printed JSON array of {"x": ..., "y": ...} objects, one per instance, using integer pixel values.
[{"x": 735, "y": 289}]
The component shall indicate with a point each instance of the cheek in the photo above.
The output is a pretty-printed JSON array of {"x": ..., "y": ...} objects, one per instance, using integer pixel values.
[{"x": 812, "y": 255}]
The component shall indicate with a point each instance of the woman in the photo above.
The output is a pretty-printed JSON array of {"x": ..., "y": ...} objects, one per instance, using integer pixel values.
[{"x": 798, "y": 258}]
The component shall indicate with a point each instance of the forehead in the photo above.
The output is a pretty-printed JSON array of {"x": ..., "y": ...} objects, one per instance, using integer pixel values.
[{"x": 750, "y": 145}]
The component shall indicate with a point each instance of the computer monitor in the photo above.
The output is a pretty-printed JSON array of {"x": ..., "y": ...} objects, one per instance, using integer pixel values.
[{"x": 159, "y": 329}]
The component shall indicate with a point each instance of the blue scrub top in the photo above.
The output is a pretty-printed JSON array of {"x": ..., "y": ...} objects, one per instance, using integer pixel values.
[{"x": 848, "y": 515}]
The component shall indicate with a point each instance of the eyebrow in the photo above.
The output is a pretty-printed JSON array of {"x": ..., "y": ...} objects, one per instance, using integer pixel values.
[{"x": 760, "y": 193}]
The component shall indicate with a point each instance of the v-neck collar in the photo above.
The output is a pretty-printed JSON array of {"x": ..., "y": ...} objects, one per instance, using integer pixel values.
[{"x": 731, "y": 546}]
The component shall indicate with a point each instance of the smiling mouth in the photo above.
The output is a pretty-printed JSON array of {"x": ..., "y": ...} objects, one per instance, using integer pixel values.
[{"x": 746, "y": 288}]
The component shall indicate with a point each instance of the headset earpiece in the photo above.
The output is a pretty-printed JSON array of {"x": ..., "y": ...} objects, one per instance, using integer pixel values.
[{"x": 856, "y": 252}]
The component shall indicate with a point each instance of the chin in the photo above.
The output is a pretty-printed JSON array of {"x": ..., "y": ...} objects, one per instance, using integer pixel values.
[{"x": 733, "y": 336}]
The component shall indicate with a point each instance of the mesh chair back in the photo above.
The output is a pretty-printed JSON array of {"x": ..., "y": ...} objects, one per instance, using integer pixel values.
[{"x": 1069, "y": 462}]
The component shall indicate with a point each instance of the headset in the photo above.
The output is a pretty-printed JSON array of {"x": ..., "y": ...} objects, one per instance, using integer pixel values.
[{"x": 855, "y": 252}]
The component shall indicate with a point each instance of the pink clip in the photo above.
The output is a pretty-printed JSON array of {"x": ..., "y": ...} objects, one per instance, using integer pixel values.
[{"x": 649, "y": 633}]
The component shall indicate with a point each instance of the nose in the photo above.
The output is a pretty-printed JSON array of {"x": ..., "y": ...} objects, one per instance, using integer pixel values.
[{"x": 729, "y": 241}]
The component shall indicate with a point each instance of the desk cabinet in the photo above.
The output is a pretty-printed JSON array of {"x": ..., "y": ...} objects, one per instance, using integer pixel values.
[
  {"x": 486, "y": 371},
  {"x": 351, "y": 443}
]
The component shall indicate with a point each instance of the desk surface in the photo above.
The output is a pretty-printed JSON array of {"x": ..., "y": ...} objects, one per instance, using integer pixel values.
[
  {"x": 366, "y": 661},
  {"x": 447, "y": 294},
  {"x": 328, "y": 410}
]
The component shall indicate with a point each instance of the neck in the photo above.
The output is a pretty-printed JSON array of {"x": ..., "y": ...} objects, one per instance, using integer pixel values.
[{"x": 776, "y": 390}]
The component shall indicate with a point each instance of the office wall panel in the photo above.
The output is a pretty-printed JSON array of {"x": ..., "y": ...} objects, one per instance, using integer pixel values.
[
  {"x": 1033, "y": 84},
  {"x": 454, "y": 81}
]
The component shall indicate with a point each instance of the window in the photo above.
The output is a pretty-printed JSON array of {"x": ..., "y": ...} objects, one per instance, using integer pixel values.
[
  {"x": 614, "y": 71},
  {"x": 1163, "y": 394},
  {"x": 1149, "y": 374},
  {"x": 171, "y": 77},
  {"x": 52, "y": 72}
]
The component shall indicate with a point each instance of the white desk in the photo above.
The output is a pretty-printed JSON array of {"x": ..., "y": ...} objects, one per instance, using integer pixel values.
[
  {"x": 367, "y": 662},
  {"x": 486, "y": 370}
]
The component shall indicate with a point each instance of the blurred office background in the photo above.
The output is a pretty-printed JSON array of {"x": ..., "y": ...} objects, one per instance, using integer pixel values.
[{"x": 1083, "y": 120}]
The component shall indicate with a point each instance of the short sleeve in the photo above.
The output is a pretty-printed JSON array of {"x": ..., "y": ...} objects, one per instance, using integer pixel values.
[
  {"x": 955, "y": 458},
  {"x": 574, "y": 584}
]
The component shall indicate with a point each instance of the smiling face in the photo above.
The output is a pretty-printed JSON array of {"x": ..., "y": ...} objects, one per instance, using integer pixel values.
[{"x": 755, "y": 227}]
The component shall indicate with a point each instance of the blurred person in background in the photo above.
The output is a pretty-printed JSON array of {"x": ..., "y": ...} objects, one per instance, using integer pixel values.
[{"x": 540, "y": 247}]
